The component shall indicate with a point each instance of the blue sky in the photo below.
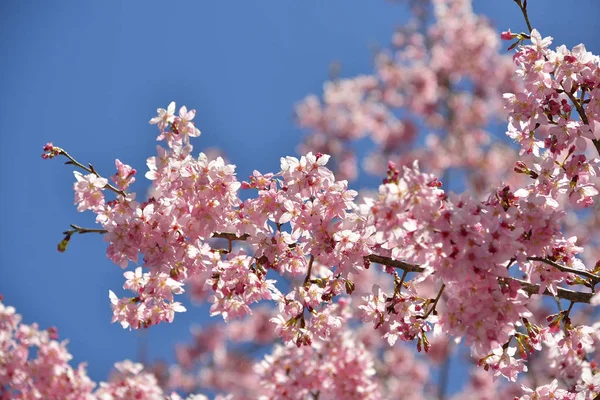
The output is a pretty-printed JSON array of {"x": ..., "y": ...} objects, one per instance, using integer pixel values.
[{"x": 88, "y": 75}]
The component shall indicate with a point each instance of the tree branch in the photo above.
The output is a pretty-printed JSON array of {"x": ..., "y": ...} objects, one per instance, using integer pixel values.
[
  {"x": 229, "y": 236},
  {"x": 310, "y": 264},
  {"x": 571, "y": 295},
  {"x": 523, "y": 7},
  {"x": 90, "y": 170},
  {"x": 582, "y": 115},
  {"x": 594, "y": 278},
  {"x": 394, "y": 263},
  {"x": 531, "y": 289},
  {"x": 80, "y": 230},
  {"x": 578, "y": 107}
]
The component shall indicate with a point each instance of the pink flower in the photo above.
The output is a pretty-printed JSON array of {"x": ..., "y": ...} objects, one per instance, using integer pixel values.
[
  {"x": 125, "y": 175},
  {"x": 88, "y": 191},
  {"x": 164, "y": 117},
  {"x": 538, "y": 42}
]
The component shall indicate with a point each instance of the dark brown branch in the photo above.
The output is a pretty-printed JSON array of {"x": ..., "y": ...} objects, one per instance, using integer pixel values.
[
  {"x": 578, "y": 107},
  {"x": 594, "y": 278},
  {"x": 230, "y": 236},
  {"x": 310, "y": 265},
  {"x": 530, "y": 288},
  {"x": 571, "y": 295},
  {"x": 523, "y": 7},
  {"x": 437, "y": 298},
  {"x": 395, "y": 263},
  {"x": 583, "y": 116}
]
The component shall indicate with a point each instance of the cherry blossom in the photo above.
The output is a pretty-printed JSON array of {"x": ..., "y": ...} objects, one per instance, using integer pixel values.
[{"x": 342, "y": 279}]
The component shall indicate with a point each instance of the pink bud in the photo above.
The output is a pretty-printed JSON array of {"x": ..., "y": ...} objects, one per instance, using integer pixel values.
[{"x": 507, "y": 35}]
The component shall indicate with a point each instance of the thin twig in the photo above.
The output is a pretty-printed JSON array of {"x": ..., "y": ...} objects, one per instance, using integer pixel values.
[
  {"x": 91, "y": 170},
  {"x": 402, "y": 280},
  {"x": 523, "y": 7},
  {"x": 582, "y": 115},
  {"x": 80, "y": 230},
  {"x": 437, "y": 298},
  {"x": 569, "y": 309},
  {"x": 578, "y": 107}
]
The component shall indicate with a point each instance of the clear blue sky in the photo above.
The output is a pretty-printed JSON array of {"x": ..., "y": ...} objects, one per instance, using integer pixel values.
[{"x": 88, "y": 75}]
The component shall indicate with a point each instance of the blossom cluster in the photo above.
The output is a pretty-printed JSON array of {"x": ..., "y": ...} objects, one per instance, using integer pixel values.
[
  {"x": 342, "y": 367},
  {"x": 35, "y": 365},
  {"x": 557, "y": 111},
  {"x": 304, "y": 219},
  {"x": 443, "y": 77},
  {"x": 409, "y": 263}
]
